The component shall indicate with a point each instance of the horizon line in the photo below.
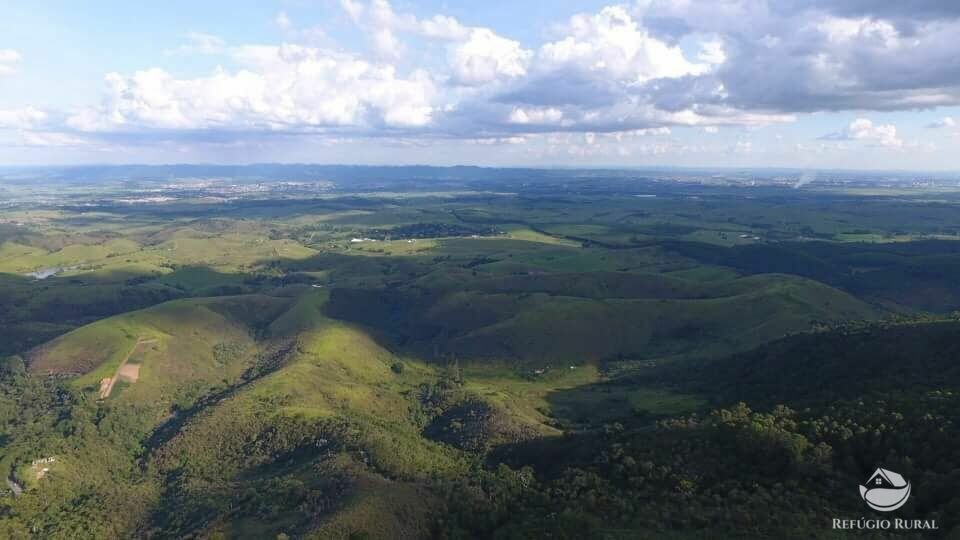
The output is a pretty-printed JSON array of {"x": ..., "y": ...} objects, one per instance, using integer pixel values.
[{"x": 492, "y": 167}]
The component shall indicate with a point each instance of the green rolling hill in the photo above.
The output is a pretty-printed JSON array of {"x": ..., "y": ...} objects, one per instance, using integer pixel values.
[{"x": 562, "y": 319}]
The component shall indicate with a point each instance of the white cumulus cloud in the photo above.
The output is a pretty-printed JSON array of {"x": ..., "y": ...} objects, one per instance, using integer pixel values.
[
  {"x": 863, "y": 129},
  {"x": 612, "y": 43},
  {"x": 280, "y": 88},
  {"x": 486, "y": 57},
  {"x": 386, "y": 44},
  {"x": 476, "y": 55},
  {"x": 379, "y": 14}
]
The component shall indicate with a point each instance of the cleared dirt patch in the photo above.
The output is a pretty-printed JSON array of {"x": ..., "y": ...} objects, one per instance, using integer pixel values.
[{"x": 128, "y": 372}]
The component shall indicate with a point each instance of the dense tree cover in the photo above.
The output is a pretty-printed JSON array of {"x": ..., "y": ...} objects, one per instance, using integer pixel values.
[
  {"x": 905, "y": 356},
  {"x": 53, "y": 420},
  {"x": 134, "y": 484},
  {"x": 254, "y": 468},
  {"x": 734, "y": 472},
  {"x": 428, "y": 230},
  {"x": 861, "y": 397}
]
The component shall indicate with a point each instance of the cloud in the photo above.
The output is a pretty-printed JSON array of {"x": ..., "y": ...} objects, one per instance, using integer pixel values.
[
  {"x": 599, "y": 75},
  {"x": 476, "y": 55},
  {"x": 535, "y": 116},
  {"x": 945, "y": 122},
  {"x": 444, "y": 28},
  {"x": 353, "y": 8},
  {"x": 386, "y": 44},
  {"x": 486, "y": 57},
  {"x": 712, "y": 52},
  {"x": 604, "y": 72},
  {"x": 896, "y": 11},
  {"x": 9, "y": 60},
  {"x": 51, "y": 139},
  {"x": 379, "y": 14},
  {"x": 804, "y": 56},
  {"x": 613, "y": 45},
  {"x": 35, "y": 127},
  {"x": 559, "y": 88},
  {"x": 280, "y": 88},
  {"x": 863, "y": 129}
]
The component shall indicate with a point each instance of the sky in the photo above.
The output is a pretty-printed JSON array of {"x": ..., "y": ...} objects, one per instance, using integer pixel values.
[{"x": 860, "y": 84}]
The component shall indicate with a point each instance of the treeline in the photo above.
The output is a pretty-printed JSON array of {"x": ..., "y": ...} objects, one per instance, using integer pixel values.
[{"x": 429, "y": 230}]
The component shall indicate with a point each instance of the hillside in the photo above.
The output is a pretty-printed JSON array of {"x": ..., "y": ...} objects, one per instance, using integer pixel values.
[
  {"x": 892, "y": 359},
  {"x": 186, "y": 325},
  {"x": 563, "y": 319},
  {"x": 802, "y": 421},
  {"x": 212, "y": 437},
  {"x": 908, "y": 274}
]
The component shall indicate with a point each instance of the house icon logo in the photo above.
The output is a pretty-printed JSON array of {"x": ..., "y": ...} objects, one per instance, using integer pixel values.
[{"x": 885, "y": 491}]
